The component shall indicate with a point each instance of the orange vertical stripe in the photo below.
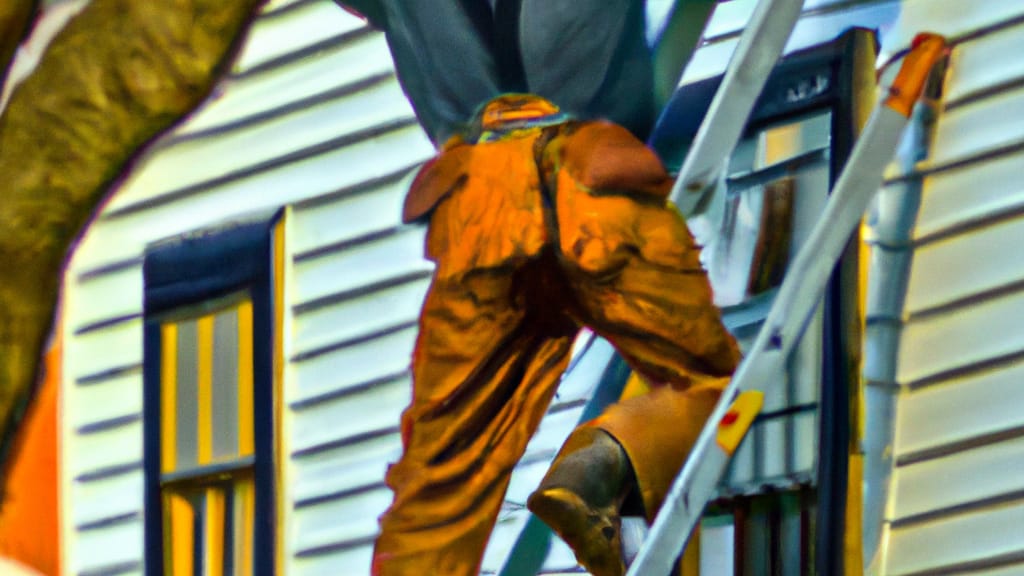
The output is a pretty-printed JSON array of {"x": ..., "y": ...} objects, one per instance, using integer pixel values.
[
  {"x": 214, "y": 549},
  {"x": 29, "y": 501},
  {"x": 204, "y": 343},
  {"x": 278, "y": 336},
  {"x": 246, "y": 441},
  {"x": 179, "y": 541},
  {"x": 244, "y": 518},
  {"x": 168, "y": 396}
]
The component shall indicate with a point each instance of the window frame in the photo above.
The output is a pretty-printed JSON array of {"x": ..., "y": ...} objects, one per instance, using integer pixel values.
[
  {"x": 794, "y": 91},
  {"x": 201, "y": 271}
]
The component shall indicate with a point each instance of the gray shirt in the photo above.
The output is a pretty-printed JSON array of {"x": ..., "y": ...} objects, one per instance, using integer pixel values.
[{"x": 590, "y": 57}]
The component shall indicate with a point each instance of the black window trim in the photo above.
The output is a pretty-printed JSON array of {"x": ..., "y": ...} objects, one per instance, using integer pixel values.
[
  {"x": 793, "y": 91},
  {"x": 186, "y": 271}
]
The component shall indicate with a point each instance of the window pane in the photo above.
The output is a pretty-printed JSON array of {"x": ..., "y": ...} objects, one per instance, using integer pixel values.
[
  {"x": 204, "y": 348},
  {"x": 244, "y": 509},
  {"x": 179, "y": 535},
  {"x": 168, "y": 396},
  {"x": 246, "y": 440},
  {"x": 214, "y": 537},
  {"x": 187, "y": 409},
  {"x": 781, "y": 143},
  {"x": 225, "y": 385},
  {"x": 717, "y": 546}
]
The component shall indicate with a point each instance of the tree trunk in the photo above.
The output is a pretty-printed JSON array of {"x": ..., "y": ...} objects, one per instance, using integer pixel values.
[
  {"x": 119, "y": 74},
  {"x": 15, "y": 18}
]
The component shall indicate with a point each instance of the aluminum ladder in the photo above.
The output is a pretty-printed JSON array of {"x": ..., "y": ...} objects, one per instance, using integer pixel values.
[{"x": 801, "y": 290}]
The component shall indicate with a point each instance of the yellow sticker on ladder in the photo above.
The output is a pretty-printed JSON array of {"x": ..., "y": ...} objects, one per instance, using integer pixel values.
[{"x": 737, "y": 420}]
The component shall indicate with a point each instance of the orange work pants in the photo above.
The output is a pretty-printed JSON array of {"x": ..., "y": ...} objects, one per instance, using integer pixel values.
[{"x": 535, "y": 236}]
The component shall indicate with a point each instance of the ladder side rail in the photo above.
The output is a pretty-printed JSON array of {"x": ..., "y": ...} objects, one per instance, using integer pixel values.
[
  {"x": 801, "y": 290},
  {"x": 759, "y": 48}
]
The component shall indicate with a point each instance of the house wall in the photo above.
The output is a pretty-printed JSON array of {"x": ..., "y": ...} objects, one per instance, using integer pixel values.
[
  {"x": 956, "y": 500},
  {"x": 311, "y": 117}
]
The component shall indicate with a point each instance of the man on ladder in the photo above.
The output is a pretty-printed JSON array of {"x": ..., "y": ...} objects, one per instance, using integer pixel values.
[{"x": 544, "y": 217}]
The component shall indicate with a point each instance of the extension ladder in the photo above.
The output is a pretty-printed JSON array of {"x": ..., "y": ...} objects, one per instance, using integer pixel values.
[{"x": 801, "y": 290}]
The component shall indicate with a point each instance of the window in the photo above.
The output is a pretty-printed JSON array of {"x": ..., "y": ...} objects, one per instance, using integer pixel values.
[
  {"x": 782, "y": 505},
  {"x": 211, "y": 322}
]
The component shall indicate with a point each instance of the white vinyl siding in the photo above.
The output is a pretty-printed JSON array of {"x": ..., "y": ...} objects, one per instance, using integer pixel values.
[{"x": 956, "y": 499}]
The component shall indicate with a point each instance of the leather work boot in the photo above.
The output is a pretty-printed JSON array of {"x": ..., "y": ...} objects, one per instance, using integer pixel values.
[{"x": 581, "y": 496}]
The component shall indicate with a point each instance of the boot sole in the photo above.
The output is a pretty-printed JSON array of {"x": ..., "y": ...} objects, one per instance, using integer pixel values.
[{"x": 593, "y": 534}]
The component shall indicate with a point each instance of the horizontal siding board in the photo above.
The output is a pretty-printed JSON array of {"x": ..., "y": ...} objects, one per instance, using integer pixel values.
[
  {"x": 969, "y": 194},
  {"x": 711, "y": 59},
  {"x": 272, "y": 7},
  {"x": 306, "y": 25},
  {"x": 106, "y": 498},
  {"x": 344, "y": 468},
  {"x": 553, "y": 430},
  {"x": 560, "y": 560},
  {"x": 389, "y": 257},
  {"x": 1016, "y": 569},
  {"x": 948, "y": 542},
  {"x": 527, "y": 477},
  {"x": 953, "y": 412},
  {"x": 589, "y": 362},
  {"x": 239, "y": 98},
  {"x": 966, "y": 265},
  {"x": 349, "y": 367},
  {"x": 219, "y": 155},
  {"x": 951, "y": 18},
  {"x": 248, "y": 172},
  {"x": 375, "y": 408},
  {"x": 897, "y": 21},
  {"x": 980, "y": 474},
  {"x": 120, "y": 544},
  {"x": 112, "y": 448},
  {"x": 361, "y": 315},
  {"x": 124, "y": 237},
  {"x": 351, "y": 216},
  {"x": 932, "y": 346},
  {"x": 985, "y": 62},
  {"x": 730, "y": 17},
  {"x": 108, "y": 296},
  {"x": 708, "y": 61},
  {"x": 355, "y": 560},
  {"x": 115, "y": 397},
  {"x": 978, "y": 126},
  {"x": 503, "y": 538},
  {"x": 353, "y": 518},
  {"x": 118, "y": 345}
]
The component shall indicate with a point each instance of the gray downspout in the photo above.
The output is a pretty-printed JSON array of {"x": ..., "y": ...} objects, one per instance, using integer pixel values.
[{"x": 890, "y": 232}]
